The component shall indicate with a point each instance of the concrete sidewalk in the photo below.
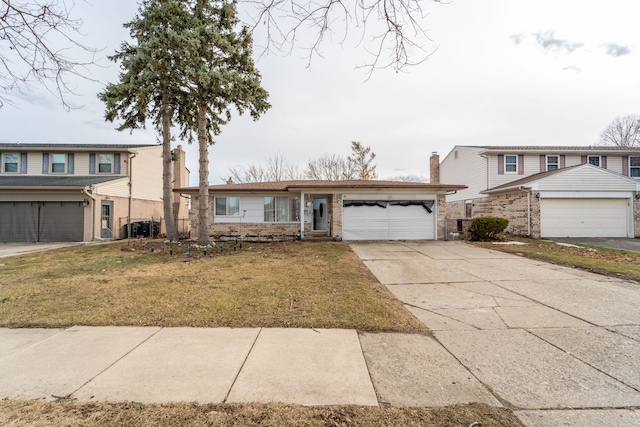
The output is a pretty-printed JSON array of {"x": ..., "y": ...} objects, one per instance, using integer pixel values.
[{"x": 150, "y": 364}]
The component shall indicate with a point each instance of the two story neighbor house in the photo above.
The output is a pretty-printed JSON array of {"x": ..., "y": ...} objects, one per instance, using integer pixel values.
[
  {"x": 547, "y": 191},
  {"x": 349, "y": 209},
  {"x": 80, "y": 192}
]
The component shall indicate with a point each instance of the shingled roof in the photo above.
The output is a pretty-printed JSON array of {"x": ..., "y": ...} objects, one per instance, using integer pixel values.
[
  {"x": 18, "y": 146},
  {"x": 44, "y": 181},
  {"x": 321, "y": 185}
]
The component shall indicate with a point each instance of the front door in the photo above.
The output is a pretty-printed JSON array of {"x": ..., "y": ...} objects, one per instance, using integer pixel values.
[
  {"x": 320, "y": 214},
  {"x": 106, "y": 220}
]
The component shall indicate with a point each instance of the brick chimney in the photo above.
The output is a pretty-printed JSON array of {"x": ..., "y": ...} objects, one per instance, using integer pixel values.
[
  {"x": 434, "y": 168},
  {"x": 180, "y": 174}
]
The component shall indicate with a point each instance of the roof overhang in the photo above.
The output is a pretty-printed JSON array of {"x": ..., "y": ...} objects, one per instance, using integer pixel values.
[
  {"x": 533, "y": 182},
  {"x": 324, "y": 187},
  {"x": 90, "y": 148}
]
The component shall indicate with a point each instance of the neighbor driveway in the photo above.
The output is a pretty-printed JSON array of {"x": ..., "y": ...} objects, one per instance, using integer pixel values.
[
  {"x": 13, "y": 249},
  {"x": 557, "y": 345}
]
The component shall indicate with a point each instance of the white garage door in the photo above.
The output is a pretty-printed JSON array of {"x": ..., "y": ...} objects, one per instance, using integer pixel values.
[
  {"x": 584, "y": 217},
  {"x": 393, "y": 222}
]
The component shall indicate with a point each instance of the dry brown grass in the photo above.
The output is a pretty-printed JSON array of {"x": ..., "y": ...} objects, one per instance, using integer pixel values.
[
  {"x": 609, "y": 262},
  {"x": 294, "y": 284},
  {"x": 37, "y": 414}
]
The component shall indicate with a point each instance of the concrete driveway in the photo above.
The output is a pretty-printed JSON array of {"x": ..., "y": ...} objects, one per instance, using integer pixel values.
[
  {"x": 13, "y": 249},
  {"x": 620, "y": 243},
  {"x": 558, "y": 346}
]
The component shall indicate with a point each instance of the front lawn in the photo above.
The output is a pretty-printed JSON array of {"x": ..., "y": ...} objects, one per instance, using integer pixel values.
[
  {"x": 35, "y": 413},
  {"x": 611, "y": 262},
  {"x": 290, "y": 284}
]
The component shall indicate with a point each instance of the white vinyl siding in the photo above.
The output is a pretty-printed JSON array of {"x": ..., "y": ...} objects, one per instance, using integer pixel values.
[
  {"x": 252, "y": 211},
  {"x": 474, "y": 175},
  {"x": 146, "y": 166},
  {"x": 587, "y": 179},
  {"x": 584, "y": 217}
]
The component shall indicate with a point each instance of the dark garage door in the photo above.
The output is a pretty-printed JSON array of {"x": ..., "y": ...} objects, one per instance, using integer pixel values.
[{"x": 41, "y": 222}]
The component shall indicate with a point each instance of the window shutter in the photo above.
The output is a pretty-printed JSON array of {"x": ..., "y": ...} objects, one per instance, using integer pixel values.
[
  {"x": 1, "y": 165},
  {"x": 92, "y": 163},
  {"x": 23, "y": 163},
  {"x": 543, "y": 163},
  {"x": 500, "y": 164},
  {"x": 70, "y": 160},
  {"x": 520, "y": 164},
  {"x": 583, "y": 159},
  {"x": 116, "y": 163},
  {"x": 45, "y": 163},
  {"x": 625, "y": 165},
  {"x": 562, "y": 164},
  {"x": 603, "y": 161}
]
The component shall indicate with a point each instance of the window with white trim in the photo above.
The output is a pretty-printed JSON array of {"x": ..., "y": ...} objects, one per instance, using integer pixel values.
[
  {"x": 105, "y": 162},
  {"x": 553, "y": 163},
  {"x": 58, "y": 163},
  {"x": 593, "y": 160},
  {"x": 11, "y": 163},
  {"x": 634, "y": 167},
  {"x": 510, "y": 164},
  {"x": 281, "y": 209},
  {"x": 227, "y": 206}
]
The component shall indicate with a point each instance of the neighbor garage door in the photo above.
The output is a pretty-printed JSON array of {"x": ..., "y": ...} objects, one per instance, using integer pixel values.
[
  {"x": 388, "y": 220},
  {"x": 41, "y": 222},
  {"x": 584, "y": 217}
]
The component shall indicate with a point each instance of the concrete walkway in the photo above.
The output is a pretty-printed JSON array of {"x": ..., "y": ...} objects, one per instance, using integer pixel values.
[{"x": 558, "y": 346}]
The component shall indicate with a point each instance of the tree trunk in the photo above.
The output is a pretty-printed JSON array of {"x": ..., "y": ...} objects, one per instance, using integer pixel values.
[
  {"x": 167, "y": 184},
  {"x": 203, "y": 193}
]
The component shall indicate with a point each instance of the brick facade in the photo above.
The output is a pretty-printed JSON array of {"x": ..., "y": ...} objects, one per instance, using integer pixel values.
[{"x": 522, "y": 209}]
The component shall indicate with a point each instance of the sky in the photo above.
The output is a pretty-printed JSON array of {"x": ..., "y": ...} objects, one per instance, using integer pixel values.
[{"x": 501, "y": 72}]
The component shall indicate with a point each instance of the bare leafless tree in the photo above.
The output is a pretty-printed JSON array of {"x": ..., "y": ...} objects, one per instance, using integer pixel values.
[
  {"x": 39, "y": 45},
  {"x": 394, "y": 26},
  {"x": 276, "y": 168},
  {"x": 624, "y": 131},
  {"x": 331, "y": 167}
]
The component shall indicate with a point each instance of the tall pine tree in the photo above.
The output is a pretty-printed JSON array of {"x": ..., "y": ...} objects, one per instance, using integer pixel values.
[
  {"x": 221, "y": 75},
  {"x": 188, "y": 68},
  {"x": 150, "y": 84}
]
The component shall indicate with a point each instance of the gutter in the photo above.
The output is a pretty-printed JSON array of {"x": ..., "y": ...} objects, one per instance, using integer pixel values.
[
  {"x": 133, "y": 154},
  {"x": 93, "y": 219}
]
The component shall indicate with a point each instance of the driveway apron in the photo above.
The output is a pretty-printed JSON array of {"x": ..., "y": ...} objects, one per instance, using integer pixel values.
[{"x": 552, "y": 343}]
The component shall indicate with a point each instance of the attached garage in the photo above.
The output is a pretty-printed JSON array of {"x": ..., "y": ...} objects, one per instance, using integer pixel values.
[
  {"x": 41, "y": 221},
  {"x": 577, "y": 201},
  {"x": 388, "y": 220},
  {"x": 584, "y": 217}
]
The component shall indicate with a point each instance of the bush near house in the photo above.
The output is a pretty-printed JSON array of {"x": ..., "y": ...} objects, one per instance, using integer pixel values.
[{"x": 487, "y": 228}]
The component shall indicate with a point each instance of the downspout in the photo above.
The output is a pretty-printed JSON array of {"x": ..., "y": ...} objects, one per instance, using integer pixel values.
[
  {"x": 528, "y": 191},
  {"x": 302, "y": 206},
  {"x": 487, "y": 168},
  {"x": 93, "y": 219},
  {"x": 130, "y": 193}
]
